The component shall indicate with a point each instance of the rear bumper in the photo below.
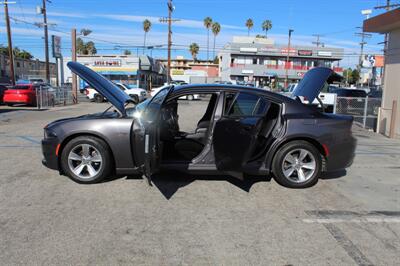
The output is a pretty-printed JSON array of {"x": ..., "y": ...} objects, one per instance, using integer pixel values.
[
  {"x": 50, "y": 159},
  {"x": 341, "y": 155},
  {"x": 17, "y": 99}
]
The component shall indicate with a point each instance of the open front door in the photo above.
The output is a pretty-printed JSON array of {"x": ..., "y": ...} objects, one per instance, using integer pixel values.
[
  {"x": 147, "y": 135},
  {"x": 235, "y": 134}
]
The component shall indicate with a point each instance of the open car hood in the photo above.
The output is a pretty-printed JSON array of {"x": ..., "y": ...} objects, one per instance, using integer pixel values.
[
  {"x": 313, "y": 82},
  {"x": 106, "y": 88}
]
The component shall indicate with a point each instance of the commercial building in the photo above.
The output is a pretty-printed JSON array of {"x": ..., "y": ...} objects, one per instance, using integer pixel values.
[
  {"x": 389, "y": 22},
  {"x": 260, "y": 62},
  {"x": 26, "y": 69},
  {"x": 190, "y": 71},
  {"x": 137, "y": 71}
]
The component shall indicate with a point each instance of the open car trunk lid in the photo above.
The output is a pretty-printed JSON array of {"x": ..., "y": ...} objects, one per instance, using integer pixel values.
[
  {"x": 313, "y": 82},
  {"x": 106, "y": 88}
]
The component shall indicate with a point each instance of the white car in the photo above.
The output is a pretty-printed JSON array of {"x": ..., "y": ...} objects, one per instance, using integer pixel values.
[
  {"x": 186, "y": 97},
  {"x": 137, "y": 94}
]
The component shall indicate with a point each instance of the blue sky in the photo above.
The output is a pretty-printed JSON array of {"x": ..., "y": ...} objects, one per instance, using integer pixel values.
[{"x": 117, "y": 24}]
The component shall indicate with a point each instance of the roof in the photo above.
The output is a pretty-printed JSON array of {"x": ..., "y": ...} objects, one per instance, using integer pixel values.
[
  {"x": 383, "y": 23},
  {"x": 231, "y": 87}
]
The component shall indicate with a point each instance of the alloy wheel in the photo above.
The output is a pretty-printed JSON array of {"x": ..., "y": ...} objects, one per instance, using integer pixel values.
[
  {"x": 299, "y": 165},
  {"x": 85, "y": 161}
]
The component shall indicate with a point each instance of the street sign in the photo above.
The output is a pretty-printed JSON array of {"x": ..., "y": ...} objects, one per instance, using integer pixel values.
[{"x": 56, "y": 45}]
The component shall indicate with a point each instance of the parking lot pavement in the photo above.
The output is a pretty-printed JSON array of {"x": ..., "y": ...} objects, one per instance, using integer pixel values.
[{"x": 348, "y": 218}]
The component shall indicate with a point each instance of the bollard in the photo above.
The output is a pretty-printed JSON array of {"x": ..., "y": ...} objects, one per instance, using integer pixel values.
[{"x": 392, "y": 131}]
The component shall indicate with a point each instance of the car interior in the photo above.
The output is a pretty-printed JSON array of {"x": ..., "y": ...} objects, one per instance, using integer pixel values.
[{"x": 184, "y": 145}]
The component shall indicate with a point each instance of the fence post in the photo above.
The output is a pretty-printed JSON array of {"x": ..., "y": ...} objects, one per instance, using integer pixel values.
[
  {"x": 37, "y": 98},
  {"x": 334, "y": 103},
  {"x": 392, "y": 131},
  {"x": 365, "y": 112}
]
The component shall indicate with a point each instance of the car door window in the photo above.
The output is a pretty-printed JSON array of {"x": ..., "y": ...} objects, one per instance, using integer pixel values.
[{"x": 245, "y": 104}]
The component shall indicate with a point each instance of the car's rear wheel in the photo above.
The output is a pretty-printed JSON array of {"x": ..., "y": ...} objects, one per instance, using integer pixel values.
[
  {"x": 98, "y": 98},
  {"x": 297, "y": 164},
  {"x": 135, "y": 98},
  {"x": 86, "y": 159}
]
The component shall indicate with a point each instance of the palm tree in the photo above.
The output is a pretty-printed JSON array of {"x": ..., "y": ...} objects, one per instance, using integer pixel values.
[
  {"x": 208, "y": 23},
  {"x": 216, "y": 28},
  {"x": 266, "y": 26},
  {"x": 146, "y": 29},
  {"x": 249, "y": 25},
  {"x": 194, "y": 50}
]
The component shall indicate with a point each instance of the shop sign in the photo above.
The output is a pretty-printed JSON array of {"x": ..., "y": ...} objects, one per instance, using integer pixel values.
[
  {"x": 285, "y": 51},
  {"x": 107, "y": 63},
  {"x": 325, "y": 53},
  {"x": 304, "y": 52}
]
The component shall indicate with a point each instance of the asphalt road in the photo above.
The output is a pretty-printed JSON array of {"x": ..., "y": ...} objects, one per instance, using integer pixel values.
[{"x": 349, "y": 218}]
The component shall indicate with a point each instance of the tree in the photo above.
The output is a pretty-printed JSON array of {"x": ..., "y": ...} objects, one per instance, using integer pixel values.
[
  {"x": 91, "y": 48},
  {"x": 194, "y": 50},
  {"x": 17, "y": 53},
  {"x": 127, "y": 52},
  {"x": 249, "y": 25},
  {"x": 355, "y": 75},
  {"x": 266, "y": 26},
  {"x": 216, "y": 60},
  {"x": 208, "y": 24},
  {"x": 216, "y": 28},
  {"x": 146, "y": 29},
  {"x": 83, "y": 48}
]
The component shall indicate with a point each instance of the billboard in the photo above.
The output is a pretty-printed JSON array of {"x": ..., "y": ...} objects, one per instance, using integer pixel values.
[
  {"x": 370, "y": 61},
  {"x": 56, "y": 46}
]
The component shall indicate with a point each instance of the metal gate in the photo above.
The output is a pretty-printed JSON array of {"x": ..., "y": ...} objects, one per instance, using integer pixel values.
[
  {"x": 48, "y": 97},
  {"x": 364, "y": 110}
]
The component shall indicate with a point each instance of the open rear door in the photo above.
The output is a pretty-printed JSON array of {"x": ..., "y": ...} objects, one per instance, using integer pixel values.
[{"x": 235, "y": 133}]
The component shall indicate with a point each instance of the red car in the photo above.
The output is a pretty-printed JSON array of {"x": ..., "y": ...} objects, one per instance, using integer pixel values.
[{"x": 21, "y": 94}]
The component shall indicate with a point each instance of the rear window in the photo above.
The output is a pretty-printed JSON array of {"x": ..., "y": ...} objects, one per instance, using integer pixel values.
[
  {"x": 350, "y": 93},
  {"x": 20, "y": 87},
  {"x": 246, "y": 104}
]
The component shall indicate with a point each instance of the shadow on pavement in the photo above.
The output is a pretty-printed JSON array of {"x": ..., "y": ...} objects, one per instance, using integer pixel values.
[
  {"x": 169, "y": 184},
  {"x": 6, "y": 109},
  {"x": 333, "y": 175}
]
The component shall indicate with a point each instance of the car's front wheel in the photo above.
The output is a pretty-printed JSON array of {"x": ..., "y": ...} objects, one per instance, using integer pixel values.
[
  {"x": 98, "y": 98},
  {"x": 297, "y": 164},
  {"x": 86, "y": 159}
]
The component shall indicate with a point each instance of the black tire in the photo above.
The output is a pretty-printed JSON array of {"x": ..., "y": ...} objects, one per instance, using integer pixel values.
[
  {"x": 277, "y": 164},
  {"x": 106, "y": 167},
  {"x": 98, "y": 98},
  {"x": 10, "y": 104}
]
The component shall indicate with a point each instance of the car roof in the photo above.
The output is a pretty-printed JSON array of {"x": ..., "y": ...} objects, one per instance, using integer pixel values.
[{"x": 231, "y": 87}]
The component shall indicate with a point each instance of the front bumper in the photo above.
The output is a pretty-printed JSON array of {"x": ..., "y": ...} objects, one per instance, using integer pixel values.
[{"x": 49, "y": 147}]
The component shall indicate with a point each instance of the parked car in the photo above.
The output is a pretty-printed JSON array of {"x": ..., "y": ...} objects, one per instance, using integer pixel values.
[
  {"x": 375, "y": 93},
  {"x": 3, "y": 88},
  {"x": 242, "y": 131},
  {"x": 21, "y": 94},
  {"x": 137, "y": 94},
  {"x": 326, "y": 96},
  {"x": 30, "y": 94}
]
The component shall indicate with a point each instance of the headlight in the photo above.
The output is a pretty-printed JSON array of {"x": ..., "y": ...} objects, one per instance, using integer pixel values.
[{"x": 49, "y": 134}]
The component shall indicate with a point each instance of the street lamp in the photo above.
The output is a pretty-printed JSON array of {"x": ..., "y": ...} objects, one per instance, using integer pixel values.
[{"x": 366, "y": 12}]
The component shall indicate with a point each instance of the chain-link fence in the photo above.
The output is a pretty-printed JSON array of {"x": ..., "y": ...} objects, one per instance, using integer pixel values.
[
  {"x": 364, "y": 110},
  {"x": 47, "y": 96}
]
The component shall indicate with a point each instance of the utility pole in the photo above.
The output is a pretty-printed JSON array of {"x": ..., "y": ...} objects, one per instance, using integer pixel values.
[
  {"x": 287, "y": 58},
  {"x": 10, "y": 47},
  {"x": 363, "y": 35},
  {"x": 317, "y": 42},
  {"x": 46, "y": 40},
  {"x": 169, "y": 20},
  {"x": 73, "y": 57}
]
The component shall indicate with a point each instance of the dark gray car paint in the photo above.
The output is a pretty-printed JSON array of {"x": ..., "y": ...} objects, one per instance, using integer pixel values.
[{"x": 298, "y": 121}]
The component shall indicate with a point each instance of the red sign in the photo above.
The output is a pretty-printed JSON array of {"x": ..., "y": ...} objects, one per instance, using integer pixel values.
[
  {"x": 304, "y": 52},
  {"x": 286, "y": 51}
]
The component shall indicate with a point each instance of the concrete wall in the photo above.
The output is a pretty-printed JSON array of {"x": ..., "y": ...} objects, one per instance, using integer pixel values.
[{"x": 391, "y": 83}]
